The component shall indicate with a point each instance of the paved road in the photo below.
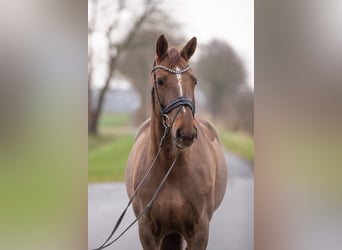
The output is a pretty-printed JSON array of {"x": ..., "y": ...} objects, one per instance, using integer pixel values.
[{"x": 231, "y": 227}]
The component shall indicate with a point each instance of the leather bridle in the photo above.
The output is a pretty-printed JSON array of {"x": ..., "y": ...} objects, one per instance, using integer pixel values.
[{"x": 178, "y": 102}]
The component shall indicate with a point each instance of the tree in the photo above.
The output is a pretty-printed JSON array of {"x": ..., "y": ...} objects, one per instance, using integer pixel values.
[
  {"x": 107, "y": 19},
  {"x": 240, "y": 114},
  {"x": 220, "y": 72},
  {"x": 91, "y": 28}
]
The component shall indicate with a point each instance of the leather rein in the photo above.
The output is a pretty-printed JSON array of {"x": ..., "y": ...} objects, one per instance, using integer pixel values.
[{"x": 164, "y": 111}]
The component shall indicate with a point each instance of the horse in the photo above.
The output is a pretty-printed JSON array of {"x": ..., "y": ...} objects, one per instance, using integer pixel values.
[{"x": 180, "y": 214}]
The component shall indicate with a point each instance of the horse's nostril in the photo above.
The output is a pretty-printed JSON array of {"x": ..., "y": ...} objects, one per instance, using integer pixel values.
[
  {"x": 178, "y": 135},
  {"x": 195, "y": 134},
  {"x": 186, "y": 136}
]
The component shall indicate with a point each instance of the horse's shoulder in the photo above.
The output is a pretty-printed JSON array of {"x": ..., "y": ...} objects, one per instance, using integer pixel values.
[
  {"x": 143, "y": 128},
  {"x": 209, "y": 129}
]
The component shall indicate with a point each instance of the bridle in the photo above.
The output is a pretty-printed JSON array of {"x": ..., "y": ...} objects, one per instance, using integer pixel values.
[
  {"x": 178, "y": 102},
  {"x": 164, "y": 111}
]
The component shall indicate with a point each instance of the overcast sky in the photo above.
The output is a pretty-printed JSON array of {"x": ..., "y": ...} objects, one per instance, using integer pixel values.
[{"x": 230, "y": 20}]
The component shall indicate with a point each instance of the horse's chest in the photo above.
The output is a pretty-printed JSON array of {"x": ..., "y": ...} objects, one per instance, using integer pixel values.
[
  {"x": 179, "y": 198},
  {"x": 173, "y": 214}
]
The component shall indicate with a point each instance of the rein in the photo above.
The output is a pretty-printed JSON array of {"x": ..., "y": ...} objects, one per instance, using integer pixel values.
[{"x": 177, "y": 103}]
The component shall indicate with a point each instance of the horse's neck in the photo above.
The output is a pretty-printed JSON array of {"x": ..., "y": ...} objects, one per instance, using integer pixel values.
[{"x": 168, "y": 150}]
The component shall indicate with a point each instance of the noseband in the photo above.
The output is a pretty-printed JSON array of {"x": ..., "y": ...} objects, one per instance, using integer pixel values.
[{"x": 179, "y": 101}]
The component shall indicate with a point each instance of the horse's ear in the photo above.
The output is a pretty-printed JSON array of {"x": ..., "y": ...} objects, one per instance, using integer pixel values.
[
  {"x": 189, "y": 48},
  {"x": 161, "y": 46}
]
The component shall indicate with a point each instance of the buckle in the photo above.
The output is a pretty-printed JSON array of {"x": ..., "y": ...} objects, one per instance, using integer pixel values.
[{"x": 166, "y": 121}]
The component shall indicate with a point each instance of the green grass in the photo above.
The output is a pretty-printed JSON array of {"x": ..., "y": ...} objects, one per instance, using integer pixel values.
[
  {"x": 94, "y": 142},
  {"x": 114, "y": 120},
  {"x": 107, "y": 157},
  {"x": 238, "y": 143},
  {"x": 108, "y": 152}
]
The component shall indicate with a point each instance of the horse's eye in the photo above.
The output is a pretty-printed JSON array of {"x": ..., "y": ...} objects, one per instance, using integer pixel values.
[
  {"x": 195, "y": 82},
  {"x": 160, "y": 81}
]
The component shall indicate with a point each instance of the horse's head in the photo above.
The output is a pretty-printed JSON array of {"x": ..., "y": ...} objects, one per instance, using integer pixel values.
[{"x": 174, "y": 84}]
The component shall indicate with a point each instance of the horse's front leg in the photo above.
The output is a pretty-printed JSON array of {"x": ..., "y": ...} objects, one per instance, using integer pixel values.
[
  {"x": 148, "y": 240},
  {"x": 199, "y": 239}
]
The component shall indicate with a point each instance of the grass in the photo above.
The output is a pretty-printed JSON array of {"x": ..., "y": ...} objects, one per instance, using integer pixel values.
[
  {"x": 108, "y": 152},
  {"x": 114, "y": 120},
  {"x": 238, "y": 143},
  {"x": 94, "y": 142},
  {"x": 107, "y": 157}
]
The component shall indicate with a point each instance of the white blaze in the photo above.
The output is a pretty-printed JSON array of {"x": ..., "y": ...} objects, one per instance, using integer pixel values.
[{"x": 179, "y": 79}]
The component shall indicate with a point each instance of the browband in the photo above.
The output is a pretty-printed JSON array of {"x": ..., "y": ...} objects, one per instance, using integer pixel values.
[{"x": 171, "y": 70}]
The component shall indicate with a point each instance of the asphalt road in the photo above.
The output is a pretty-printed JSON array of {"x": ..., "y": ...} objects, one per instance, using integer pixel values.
[{"x": 231, "y": 227}]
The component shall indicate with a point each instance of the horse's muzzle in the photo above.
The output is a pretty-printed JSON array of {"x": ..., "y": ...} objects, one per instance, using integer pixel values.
[{"x": 185, "y": 138}]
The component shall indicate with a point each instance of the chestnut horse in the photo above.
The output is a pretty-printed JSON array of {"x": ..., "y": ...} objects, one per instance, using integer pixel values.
[{"x": 182, "y": 210}]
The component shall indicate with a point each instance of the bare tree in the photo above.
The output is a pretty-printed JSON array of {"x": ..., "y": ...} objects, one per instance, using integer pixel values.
[
  {"x": 240, "y": 114},
  {"x": 118, "y": 42},
  {"x": 220, "y": 72},
  {"x": 91, "y": 28}
]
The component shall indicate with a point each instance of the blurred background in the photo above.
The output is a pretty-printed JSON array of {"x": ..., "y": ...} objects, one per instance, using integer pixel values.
[{"x": 121, "y": 46}]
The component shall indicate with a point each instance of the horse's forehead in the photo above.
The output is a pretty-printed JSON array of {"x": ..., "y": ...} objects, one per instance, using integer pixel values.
[
  {"x": 174, "y": 53},
  {"x": 174, "y": 57}
]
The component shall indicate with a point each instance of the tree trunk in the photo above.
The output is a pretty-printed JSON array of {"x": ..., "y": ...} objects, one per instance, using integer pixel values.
[
  {"x": 93, "y": 126},
  {"x": 95, "y": 114},
  {"x": 90, "y": 110}
]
